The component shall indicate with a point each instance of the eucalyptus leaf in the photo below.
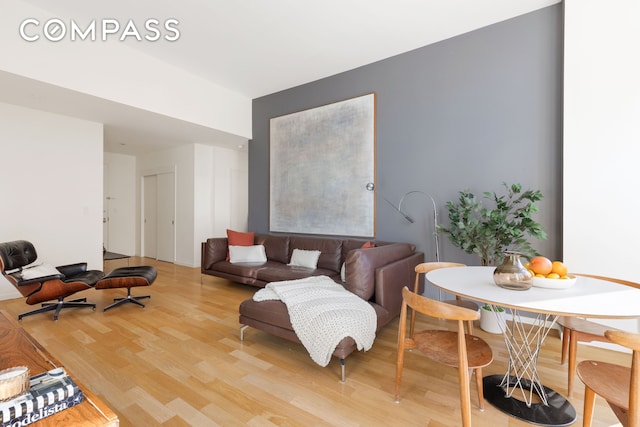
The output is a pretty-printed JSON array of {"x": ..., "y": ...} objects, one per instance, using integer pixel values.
[{"x": 488, "y": 231}]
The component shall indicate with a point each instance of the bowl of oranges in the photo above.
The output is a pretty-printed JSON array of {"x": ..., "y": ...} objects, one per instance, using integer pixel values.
[{"x": 550, "y": 274}]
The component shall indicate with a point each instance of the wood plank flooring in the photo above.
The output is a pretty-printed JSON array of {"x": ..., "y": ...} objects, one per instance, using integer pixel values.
[{"x": 179, "y": 362}]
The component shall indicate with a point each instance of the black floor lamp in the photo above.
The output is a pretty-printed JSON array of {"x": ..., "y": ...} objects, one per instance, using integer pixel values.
[
  {"x": 435, "y": 217},
  {"x": 371, "y": 187},
  {"x": 410, "y": 219}
]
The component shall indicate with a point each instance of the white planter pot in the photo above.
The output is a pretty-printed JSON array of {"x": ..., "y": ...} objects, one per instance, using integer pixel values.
[{"x": 491, "y": 323}]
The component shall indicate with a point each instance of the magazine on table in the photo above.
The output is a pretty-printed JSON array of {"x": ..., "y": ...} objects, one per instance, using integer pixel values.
[{"x": 49, "y": 393}]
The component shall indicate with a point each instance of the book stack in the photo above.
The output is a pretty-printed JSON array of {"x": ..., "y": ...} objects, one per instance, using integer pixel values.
[{"x": 49, "y": 393}]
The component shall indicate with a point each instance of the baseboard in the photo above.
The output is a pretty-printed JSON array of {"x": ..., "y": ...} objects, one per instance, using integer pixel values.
[
  {"x": 6, "y": 294},
  {"x": 7, "y": 290}
]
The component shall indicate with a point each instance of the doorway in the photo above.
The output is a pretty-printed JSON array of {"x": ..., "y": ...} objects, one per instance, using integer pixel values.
[{"x": 159, "y": 216}]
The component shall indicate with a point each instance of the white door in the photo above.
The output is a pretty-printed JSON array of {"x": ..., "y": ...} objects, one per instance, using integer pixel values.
[
  {"x": 166, "y": 217},
  {"x": 150, "y": 216}
]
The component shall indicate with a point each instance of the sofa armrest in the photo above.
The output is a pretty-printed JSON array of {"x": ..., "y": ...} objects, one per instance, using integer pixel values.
[
  {"x": 391, "y": 278},
  {"x": 213, "y": 250},
  {"x": 361, "y": 266}
]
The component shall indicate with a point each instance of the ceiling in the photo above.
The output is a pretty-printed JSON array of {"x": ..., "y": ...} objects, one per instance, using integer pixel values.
[{"x": 255, "y": 48}]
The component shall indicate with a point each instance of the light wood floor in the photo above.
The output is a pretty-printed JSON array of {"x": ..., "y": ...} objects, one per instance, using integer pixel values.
[{"x": 180, "y": 362}]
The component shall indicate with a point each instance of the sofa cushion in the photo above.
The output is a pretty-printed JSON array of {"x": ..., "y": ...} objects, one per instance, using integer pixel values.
[
  {"x": 284, "y": 272},
  {"x": 304, "y": 258},
  {"x": 253, "y": 253},
  {"x": 272, "y": 312},
  {"x": 239, "y": 238},
  {"x": 276, "y": 247},
  {"x": 331, "y": 250},
  {"x": 240, "y": 269},
  {"x": 366, "y": 245},
  {"x": 361, "y": 265},
  {"x": 350, "y": 244}
]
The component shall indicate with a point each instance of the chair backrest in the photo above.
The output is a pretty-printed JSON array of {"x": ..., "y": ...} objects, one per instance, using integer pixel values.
[
  {"x": 631, "y": 341},
  {"x": 440, "y": 310},
  {"x": 437, "y": 309},
  {"x": 426, "y": 267},
  {"x": 16, "y": 254},
  {"x": 627, "y": 339}
]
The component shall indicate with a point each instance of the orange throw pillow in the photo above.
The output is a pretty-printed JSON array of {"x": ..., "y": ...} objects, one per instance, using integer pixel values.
[
  {"x": 368, "y": 244},
  {"x": 239, "y": 238}
]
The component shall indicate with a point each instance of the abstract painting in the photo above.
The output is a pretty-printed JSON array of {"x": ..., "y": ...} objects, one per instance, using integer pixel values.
[{"x": 321, "y": 161}]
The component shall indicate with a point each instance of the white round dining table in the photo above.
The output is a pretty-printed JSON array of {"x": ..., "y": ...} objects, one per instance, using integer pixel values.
[{"x": 533, "y": 314}]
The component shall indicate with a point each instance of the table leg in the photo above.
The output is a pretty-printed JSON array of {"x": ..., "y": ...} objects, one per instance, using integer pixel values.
[{"x": 533, "y": 402}]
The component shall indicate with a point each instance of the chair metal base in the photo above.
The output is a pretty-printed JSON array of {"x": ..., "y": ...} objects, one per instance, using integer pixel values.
[
  {"x": 57, "y": 306},
  {"x": 128, "y": 298}
]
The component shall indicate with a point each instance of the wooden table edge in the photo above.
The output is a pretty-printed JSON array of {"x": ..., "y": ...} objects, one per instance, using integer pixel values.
[{"x": 110, "y": 417}]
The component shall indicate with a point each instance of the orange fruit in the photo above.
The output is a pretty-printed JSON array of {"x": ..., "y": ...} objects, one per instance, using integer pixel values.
[
  {"x": 540, "y": 265},
  {"x": 559, "y": 268}
]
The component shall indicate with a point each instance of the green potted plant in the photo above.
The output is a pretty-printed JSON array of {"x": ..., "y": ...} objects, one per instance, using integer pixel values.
[
  {"x": 492, "y": 322},
  {"x": 488, "y": 231}
]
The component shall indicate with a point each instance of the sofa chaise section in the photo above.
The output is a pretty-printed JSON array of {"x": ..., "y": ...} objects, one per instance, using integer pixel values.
[{"x": 376, "y": 275}]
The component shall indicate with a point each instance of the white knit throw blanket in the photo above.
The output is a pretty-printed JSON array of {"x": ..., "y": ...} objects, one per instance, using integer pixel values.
[{"x": 322, "y": 313}]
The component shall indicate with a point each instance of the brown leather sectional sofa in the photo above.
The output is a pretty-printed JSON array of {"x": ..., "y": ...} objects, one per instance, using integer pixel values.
[{"x": 375, "y": 274}]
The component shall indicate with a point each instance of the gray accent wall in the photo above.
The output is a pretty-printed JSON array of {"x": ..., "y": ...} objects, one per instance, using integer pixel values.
[{"x": 470, "y": 112}]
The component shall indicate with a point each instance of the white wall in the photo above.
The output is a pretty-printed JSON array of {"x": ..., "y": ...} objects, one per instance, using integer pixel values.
[
  {"x": 211, "y": 194},
  {"x": 204, "y": 197},
  {"x": 52, "y": 171},
  {"x": 602, "y": 138},
  {"x": 114, "y": 71},
  {"x": 221, "y": 193},
  {"x": 121, "y": 185},
  {"x": 231, "y": 183}
]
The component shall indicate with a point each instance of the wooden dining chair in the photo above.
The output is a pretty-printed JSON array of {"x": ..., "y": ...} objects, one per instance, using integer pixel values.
[
  {"x": 452, "y": 348},
  {"x": 426, "y": 267},
  {"x": 576, "y": 329},
  {"x": 618, "y": 385}
]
